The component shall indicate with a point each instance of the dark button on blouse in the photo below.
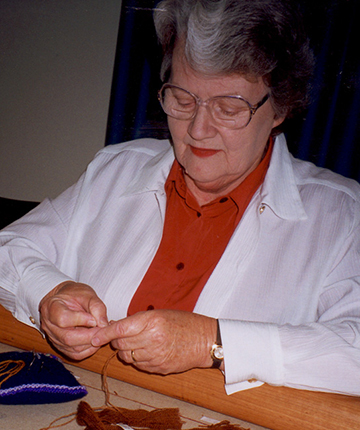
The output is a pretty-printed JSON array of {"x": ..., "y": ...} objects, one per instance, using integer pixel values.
[{"x": 180, "y": 266}]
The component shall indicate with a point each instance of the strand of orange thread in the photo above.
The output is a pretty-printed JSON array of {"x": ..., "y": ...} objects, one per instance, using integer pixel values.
[
  {"x": 105, "y": 386},
  {"x": 7, "y": 372},
  {"x": 53, "y": 426}
]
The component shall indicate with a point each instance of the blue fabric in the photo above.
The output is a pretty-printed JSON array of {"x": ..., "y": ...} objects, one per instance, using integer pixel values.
[
  {"x": 329, "y": 133},
  {"x": 43, "y": 379}
]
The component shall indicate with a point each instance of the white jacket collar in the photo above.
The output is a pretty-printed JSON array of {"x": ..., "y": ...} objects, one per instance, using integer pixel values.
[
  {"x": 280, "y": 189},
  {"x": 151, "y": 177}
]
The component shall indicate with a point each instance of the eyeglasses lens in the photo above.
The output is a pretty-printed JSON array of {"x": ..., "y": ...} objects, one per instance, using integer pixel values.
[{"x": 227, "y": 111}]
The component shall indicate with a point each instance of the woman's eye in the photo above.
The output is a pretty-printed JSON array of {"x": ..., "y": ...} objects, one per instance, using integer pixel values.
[
  {"x": 229, "y": 109},
  {"x": 185, "y": 103},
  {"x": 229, "y": 112}
]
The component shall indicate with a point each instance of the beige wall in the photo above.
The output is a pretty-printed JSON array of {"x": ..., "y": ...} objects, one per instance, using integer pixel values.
[{"x": 56, "y": 63}]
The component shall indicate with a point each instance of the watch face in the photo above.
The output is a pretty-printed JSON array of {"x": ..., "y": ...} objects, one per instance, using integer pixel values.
[{"x": 218, "y": 352}]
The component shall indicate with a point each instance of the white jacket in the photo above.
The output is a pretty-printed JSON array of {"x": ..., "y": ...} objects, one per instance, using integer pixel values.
[{"x": 286, "y": 290}]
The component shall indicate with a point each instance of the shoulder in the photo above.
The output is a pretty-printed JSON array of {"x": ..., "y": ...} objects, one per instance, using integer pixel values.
[
  {"x": 328, "y": 196},
  {"x": 324, "y": 181},
  {"x": 140, "y": 148},
  {"x": 131, "y": 165},
  {"x": 297, "y": 189},
  {"x": 127, "y": 155}
]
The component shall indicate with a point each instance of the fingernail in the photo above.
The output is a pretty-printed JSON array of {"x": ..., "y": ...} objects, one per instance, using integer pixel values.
[
  {"x": 95, "y": 341},
  {"x": 91, "y": 322},
  {"x": 104, "y": 322}
]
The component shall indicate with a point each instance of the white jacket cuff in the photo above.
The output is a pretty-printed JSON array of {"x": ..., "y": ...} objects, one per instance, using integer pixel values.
[
  {"x": 252, "y": 354},
  {"x": 32, "y": 288}
]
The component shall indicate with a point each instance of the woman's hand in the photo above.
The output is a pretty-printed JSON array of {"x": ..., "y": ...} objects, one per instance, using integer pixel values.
[
  {"x": 162, "y": 341},
  {"x": 71, "y": 314}
]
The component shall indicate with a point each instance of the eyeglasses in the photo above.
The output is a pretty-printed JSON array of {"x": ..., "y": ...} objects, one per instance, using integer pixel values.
[{"x": 227, "y": 111}]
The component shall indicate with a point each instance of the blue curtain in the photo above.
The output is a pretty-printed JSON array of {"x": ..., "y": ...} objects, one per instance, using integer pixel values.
[
  {"x": 134, "y": 109},
  {"x": 328, "y": 133}
]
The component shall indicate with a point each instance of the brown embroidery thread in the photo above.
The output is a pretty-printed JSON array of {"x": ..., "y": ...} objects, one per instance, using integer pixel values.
[
  {"x": 7, "y": 371},
  {"x": 108, "y": 416}
]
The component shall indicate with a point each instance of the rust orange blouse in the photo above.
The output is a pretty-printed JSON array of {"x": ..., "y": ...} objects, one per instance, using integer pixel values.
[{"x": 194, "y": 239}]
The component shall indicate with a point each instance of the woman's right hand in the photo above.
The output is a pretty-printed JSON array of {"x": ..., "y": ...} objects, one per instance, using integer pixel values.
[{"x": 71, "y": 314}]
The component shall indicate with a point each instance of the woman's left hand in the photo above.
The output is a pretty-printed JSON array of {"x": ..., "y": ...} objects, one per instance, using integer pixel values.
[{"x": 161, "y": 341}]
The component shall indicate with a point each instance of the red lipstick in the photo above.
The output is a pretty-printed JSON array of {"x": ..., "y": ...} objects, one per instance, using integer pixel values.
[{"x": 202, "y": 152}]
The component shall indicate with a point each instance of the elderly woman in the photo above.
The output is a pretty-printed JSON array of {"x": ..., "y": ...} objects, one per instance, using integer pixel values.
[{"x": 217, "y": 249}]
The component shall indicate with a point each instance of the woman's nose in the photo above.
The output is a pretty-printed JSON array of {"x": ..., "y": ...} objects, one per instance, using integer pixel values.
[{"x": 201, "y": 126}]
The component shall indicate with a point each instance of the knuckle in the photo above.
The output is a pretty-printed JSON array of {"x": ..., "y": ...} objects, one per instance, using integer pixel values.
[
  {"x": 157, "y": 318},
  {"x": 60, "y": 321},
  {"x": 119, "y": 344},
  {"x": 119, "y": 329},
  {"x": 124, "y": 357},
  {"x": 67, "y": 337},
  {"x": 97, "y": 306}
]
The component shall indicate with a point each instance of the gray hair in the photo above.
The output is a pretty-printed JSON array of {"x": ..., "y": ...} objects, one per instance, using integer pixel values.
[{"x": 259, "y": 38}]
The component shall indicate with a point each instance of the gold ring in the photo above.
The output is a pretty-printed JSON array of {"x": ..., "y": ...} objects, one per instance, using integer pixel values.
[{"x": 133, "y": 356}]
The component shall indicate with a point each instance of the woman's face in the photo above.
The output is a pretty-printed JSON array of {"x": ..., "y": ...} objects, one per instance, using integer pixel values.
[{"x": 216, "y": 159}]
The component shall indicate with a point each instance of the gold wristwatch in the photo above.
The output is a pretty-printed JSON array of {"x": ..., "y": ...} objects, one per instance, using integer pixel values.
[{"x": 216, "y": 352}]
